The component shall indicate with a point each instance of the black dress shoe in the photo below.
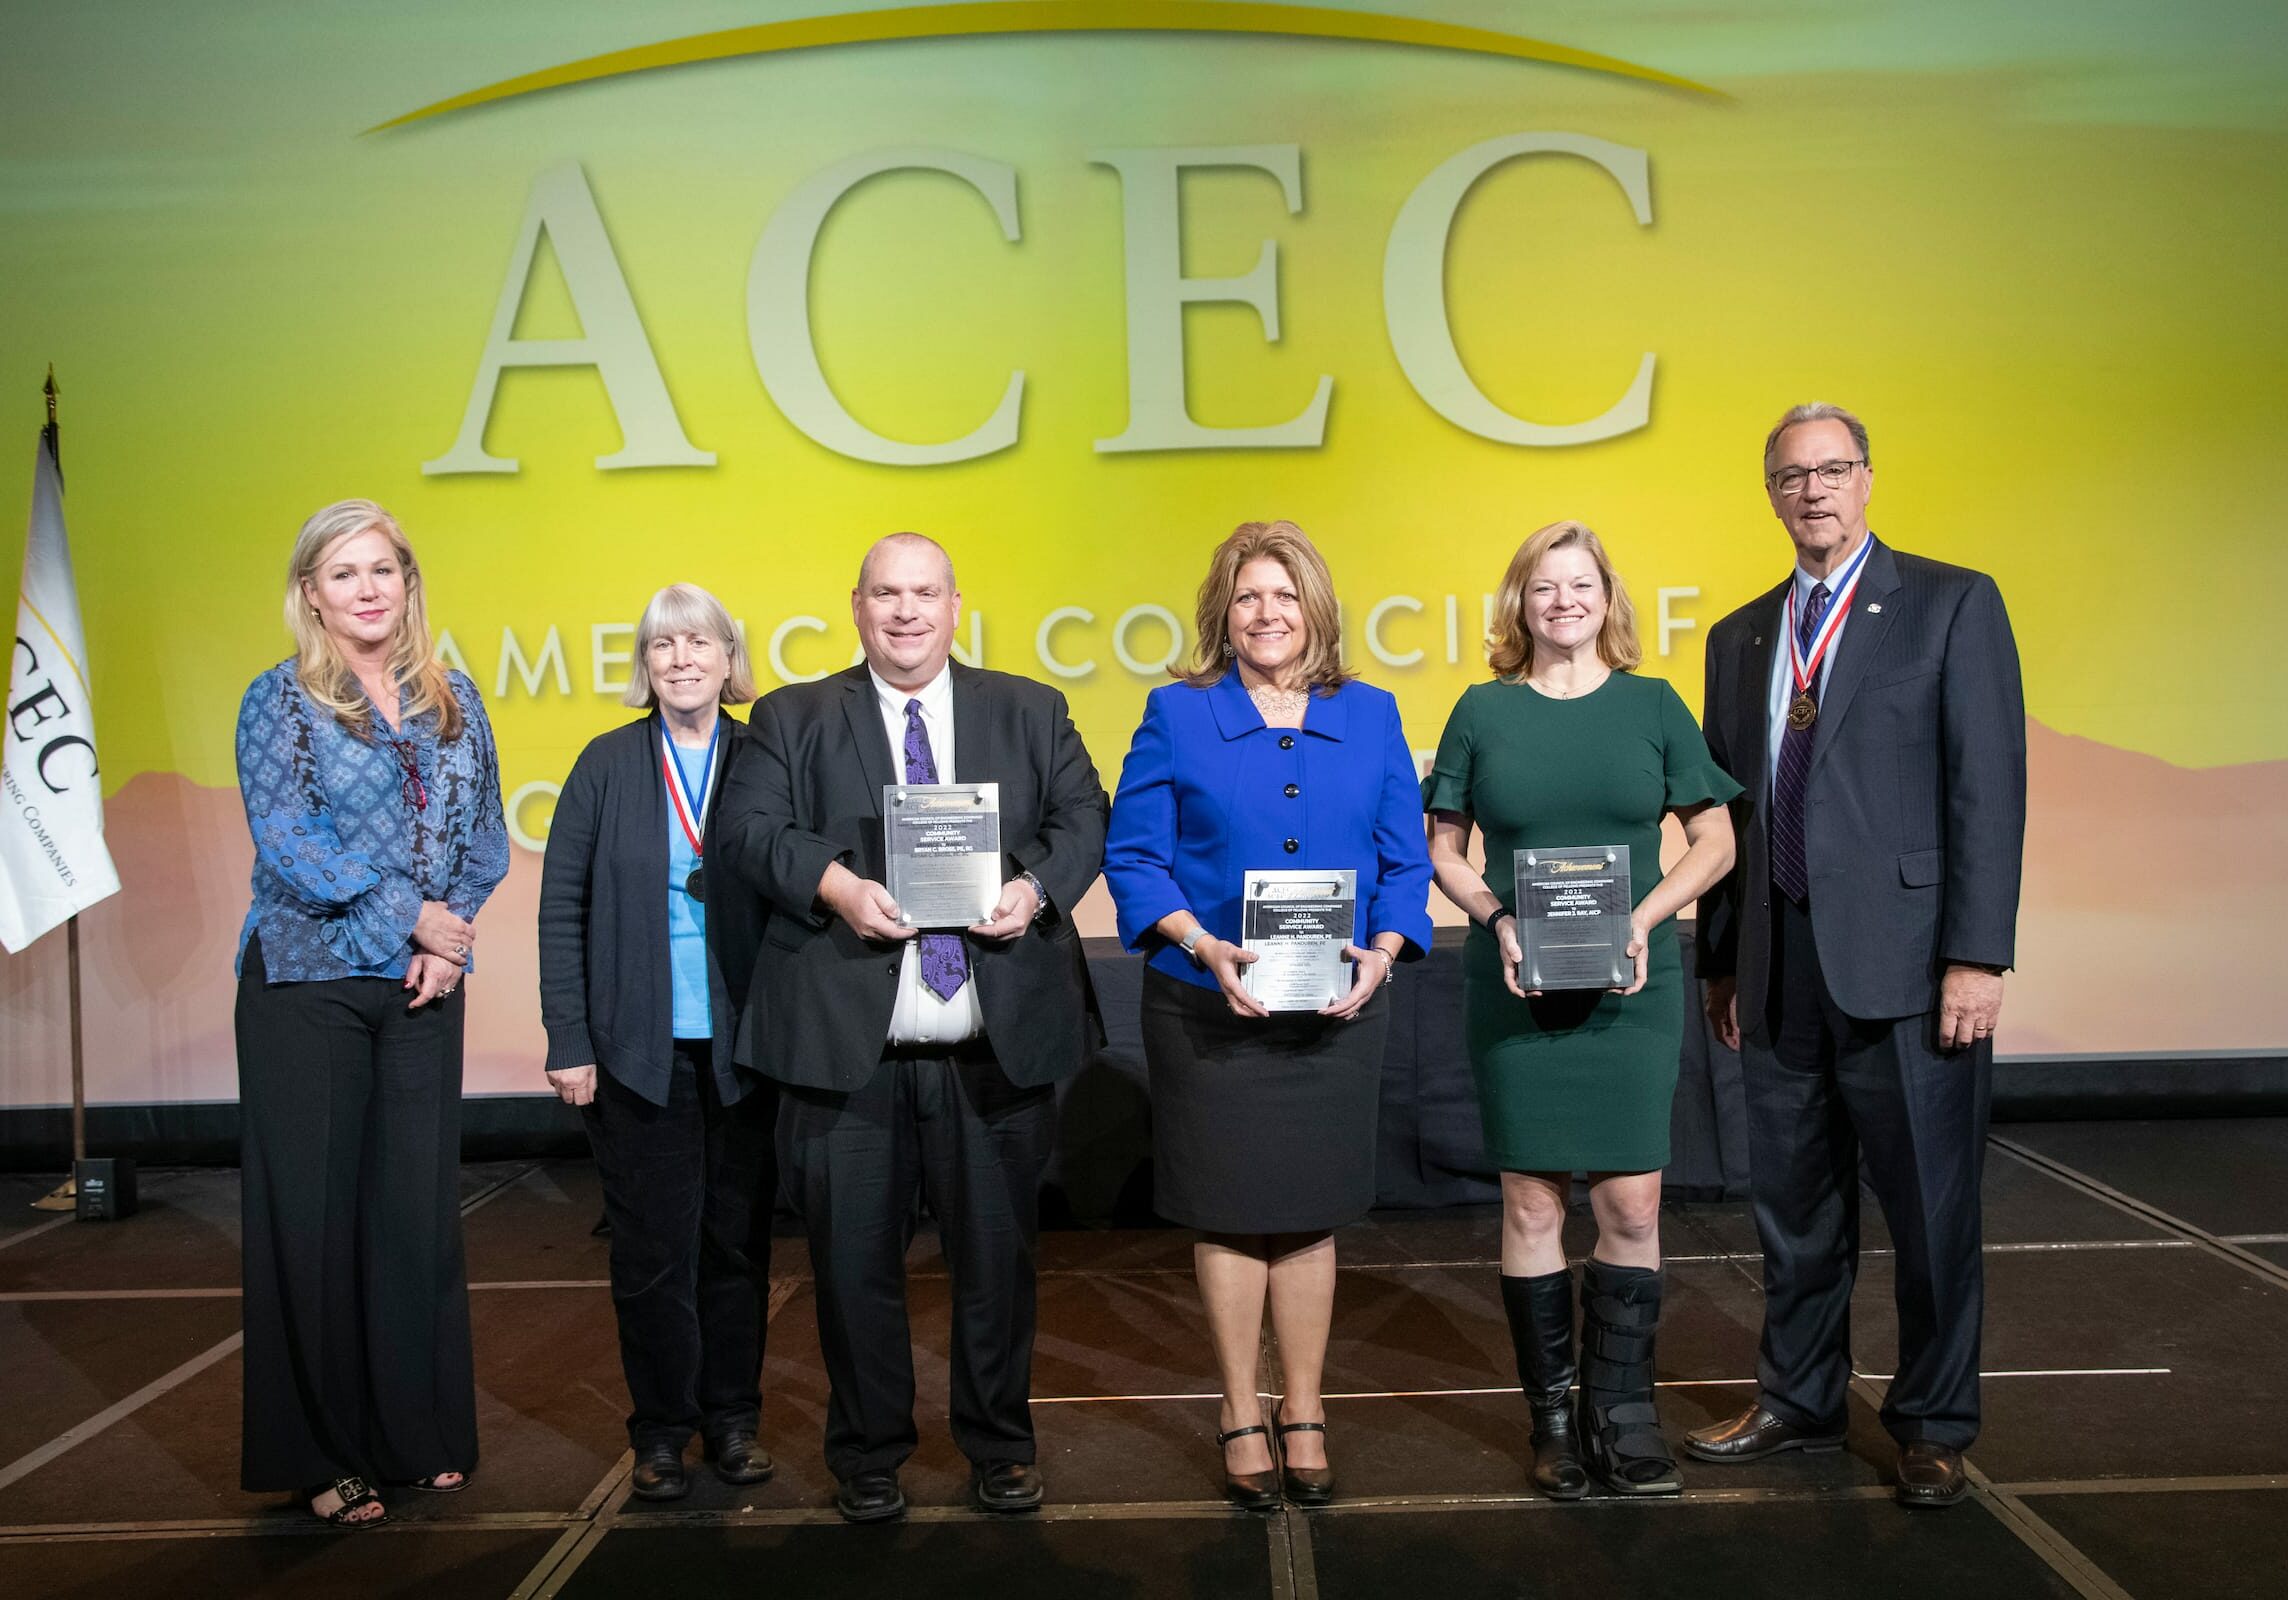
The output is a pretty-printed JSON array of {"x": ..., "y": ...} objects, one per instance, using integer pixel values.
[
  {"x": 739, "y": 1459},
  {"x": 659, "y": 1473},
  {"x": 1250, "y": 1491},
  {"x": 870, "y": 1497},
  {"x": 1754, "y": 1434},
  {"x": 1004, "y": 1486},
  {"x": 1308, "y": 1487},
  {"x": 1931, "y": 1474}
]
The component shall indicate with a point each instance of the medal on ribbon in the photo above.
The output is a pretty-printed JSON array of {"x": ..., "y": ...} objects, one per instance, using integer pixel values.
[
  {"x": 689, "y": 813},
  {"x": 1803, "y": 660}
]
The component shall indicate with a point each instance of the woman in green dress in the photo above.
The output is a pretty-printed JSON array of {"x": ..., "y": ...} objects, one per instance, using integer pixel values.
[{"x": 1566, "y": 746}]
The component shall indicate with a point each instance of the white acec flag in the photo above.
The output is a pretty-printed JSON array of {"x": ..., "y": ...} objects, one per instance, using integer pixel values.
[{"x": 53, "y": 863}]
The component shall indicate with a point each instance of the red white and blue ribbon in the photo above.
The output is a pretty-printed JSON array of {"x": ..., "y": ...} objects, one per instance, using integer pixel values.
[
  {"x": 693, "y": 815},
  {"x": 1805, "y": 661}
]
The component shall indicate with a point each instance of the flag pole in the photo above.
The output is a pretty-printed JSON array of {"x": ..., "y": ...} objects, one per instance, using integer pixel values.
[{"x": 65, "y": 1196}]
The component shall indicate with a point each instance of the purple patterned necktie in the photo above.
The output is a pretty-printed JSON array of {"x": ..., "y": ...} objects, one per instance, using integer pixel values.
[
  {"x": 945, "y": 964},
  {"x": 1789, "y": 780}
]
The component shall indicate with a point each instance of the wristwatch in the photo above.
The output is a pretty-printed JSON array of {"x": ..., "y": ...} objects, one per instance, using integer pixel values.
[
  {"x": 1040, "y": 895},
  {"x": 1190, "y": 943}
]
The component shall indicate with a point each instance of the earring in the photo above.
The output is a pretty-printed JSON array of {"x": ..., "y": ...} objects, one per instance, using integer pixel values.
[{"x": 1228, "y": 652}]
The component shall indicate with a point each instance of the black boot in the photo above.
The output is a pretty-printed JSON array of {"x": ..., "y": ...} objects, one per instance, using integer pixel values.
[
  {"x": 1541, "y": 1327},
  {"x": 1620, "y": 1428}
]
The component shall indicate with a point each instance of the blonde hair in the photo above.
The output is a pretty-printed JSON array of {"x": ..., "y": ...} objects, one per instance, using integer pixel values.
[
  {"x": 687, "y": 608},
  {"x": 1509, "y": 647},
  {"x": 321, "y": 668},
  {"x": 1291, "y": 547}
]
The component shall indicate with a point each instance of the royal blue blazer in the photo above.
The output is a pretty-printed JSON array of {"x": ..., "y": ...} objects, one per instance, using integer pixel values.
[{"x": 1208, "y": 792}]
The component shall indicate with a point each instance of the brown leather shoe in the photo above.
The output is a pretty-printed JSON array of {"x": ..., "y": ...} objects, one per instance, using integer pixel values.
[
  {"x": 1931, "y": 1474},
  {"x": 1754, "y": 1434}
]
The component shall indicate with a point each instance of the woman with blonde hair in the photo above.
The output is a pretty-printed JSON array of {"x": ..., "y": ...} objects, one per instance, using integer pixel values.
[
  {"x": 647, "y": 944},
  {"x": 1265, "y": 753},
  {"x": 1568, "y": 747},
  {"x": 373, "y": 794}
]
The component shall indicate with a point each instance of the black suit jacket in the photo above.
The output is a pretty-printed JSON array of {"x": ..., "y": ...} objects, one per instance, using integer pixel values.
[
  {"x": 1915, "y": 811},
  {"x": 808, "y": 791},
  {"x": 605, "y": 994}
]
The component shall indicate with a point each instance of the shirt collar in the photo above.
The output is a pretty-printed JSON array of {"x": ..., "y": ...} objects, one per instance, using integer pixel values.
[
  {"x": 1805, "y": 582},
  {"x": 936, "y": 695}
]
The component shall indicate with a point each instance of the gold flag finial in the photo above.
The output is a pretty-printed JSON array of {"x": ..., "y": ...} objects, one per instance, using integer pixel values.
[{"x": 50, "y": 388}]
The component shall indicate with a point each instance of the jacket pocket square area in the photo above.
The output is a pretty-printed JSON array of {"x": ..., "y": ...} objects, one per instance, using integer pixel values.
[{"x": 1919, "y": 869}]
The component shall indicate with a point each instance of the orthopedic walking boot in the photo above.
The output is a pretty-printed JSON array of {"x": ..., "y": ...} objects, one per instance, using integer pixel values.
[
  {"x": 1620, "y": 1427},
  {"x": 1541, "y": 1328}
]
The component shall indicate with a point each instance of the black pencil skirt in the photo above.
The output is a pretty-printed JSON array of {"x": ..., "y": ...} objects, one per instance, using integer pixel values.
[
  {"x": 1260, "y": 1125},
  {"x": 356, "y": 1295}
]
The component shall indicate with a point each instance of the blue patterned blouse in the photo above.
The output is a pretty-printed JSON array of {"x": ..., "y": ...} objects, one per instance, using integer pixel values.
[{"x": 343, "y": 858}]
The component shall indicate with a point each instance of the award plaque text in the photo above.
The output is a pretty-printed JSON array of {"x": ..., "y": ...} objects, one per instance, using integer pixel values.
[
  {"x": 1573, "y": 910},
  {"x": 944, "y": 849},
  {"x": 1297, "y": 922}
]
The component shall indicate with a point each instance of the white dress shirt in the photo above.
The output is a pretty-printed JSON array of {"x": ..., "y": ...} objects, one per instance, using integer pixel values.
[
  {"x": 920, "y": 1017},
  {"x": 1783, "y": 672}
]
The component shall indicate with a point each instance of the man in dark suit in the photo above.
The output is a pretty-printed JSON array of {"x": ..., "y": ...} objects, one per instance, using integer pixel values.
[
  {"x": 1871, "y": 707},
  {"x": 916, "y": 1062}
]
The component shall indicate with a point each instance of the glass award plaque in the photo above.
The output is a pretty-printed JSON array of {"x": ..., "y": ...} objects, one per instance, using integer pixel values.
[
  {"x": 1573, "y": 909},
  {"x": 943, "y": 845},
  {"x": 1297, "y": 922}
]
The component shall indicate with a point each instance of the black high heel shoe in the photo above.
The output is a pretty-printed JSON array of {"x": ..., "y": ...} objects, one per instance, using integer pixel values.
[
  {"x": 1309, "y": 1487},
  {"x": 1250, "y": 1491}
]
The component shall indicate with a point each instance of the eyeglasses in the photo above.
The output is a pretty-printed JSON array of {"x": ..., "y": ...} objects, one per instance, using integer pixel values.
[
  {"x": 1790, "y": 480},
  {"x": 409, "y": 787}
]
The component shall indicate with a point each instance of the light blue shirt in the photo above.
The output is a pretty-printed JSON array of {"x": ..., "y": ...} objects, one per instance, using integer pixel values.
[
  {"x": 686, "y": 917},
  {"x": 1783, "y": 675}
]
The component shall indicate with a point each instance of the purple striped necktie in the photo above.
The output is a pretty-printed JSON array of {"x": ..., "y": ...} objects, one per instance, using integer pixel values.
[
  {"x": 1788, "y": 782},
  {"x": 945, "y": 964}
]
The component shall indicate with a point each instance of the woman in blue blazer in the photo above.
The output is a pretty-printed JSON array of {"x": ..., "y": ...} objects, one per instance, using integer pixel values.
[
  {"x": 1266, "y": 754},
  {"x": 647, "y": 940}
]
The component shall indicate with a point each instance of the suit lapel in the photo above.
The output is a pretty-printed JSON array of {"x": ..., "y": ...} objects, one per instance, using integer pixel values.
[
  {"x": 868, "y": 736},
  {"x": 1765, "y": 642},
  {"x": 1863, "y": 633},
  {"x": 973, "y": 751}
]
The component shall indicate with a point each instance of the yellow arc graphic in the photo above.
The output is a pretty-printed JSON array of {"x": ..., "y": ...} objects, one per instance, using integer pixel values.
[{"x": 1049, "y": 16}]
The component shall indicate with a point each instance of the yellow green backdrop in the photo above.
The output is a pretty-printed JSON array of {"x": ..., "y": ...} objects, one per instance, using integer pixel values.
[{"x": 2038, "y": 247}]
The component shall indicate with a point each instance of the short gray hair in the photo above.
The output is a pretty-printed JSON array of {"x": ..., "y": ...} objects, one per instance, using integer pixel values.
[
  {"x": 867, "y": 560},
  {"x": 687, "y": 608},
  {"x": 1818, "y": 411}
]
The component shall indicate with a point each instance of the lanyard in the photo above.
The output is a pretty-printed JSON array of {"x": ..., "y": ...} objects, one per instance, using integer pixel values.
[
  {"x": 1805, "y": 664},
  {"x": 692, "y": 815}
]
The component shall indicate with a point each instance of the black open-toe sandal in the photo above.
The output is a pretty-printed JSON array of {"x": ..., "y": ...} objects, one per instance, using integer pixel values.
[
  {"x": 355, "y": 1492},
  {"x": 430, "y": 1485}
]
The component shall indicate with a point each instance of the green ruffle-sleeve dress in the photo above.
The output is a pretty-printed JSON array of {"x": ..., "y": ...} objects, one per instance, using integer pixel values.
[{"x": 1576, "y": 1080}]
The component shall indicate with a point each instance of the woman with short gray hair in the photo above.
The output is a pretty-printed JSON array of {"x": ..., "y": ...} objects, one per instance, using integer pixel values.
[{"x": 646, "y": 947}]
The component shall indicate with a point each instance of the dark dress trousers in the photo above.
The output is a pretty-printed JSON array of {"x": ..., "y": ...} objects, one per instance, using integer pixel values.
[
  {"x": 682, "y": 1139},
  {"x": 864, "y": 1126},
  {"x": 1914, "y": 825}
]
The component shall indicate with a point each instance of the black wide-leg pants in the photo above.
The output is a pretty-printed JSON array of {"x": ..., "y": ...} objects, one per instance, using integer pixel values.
[
  {"x": 955, "y": 1130},
  {"x": 688, "y": 1188},
  {"x": 356, "y": 1305},
  {"x": 1827, "y": 1091}
]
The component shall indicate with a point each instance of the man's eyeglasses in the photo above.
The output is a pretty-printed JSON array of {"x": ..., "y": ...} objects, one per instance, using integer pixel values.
[
  {"x": 409, "y": 788},
  {"x": 1790, "y": 480}
]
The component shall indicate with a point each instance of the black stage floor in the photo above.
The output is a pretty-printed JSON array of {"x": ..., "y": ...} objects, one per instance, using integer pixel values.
[{"x": 2136, "y": 1438}]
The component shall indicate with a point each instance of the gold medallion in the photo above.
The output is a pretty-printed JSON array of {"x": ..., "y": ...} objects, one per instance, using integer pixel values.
[{"x": 1802, "y": 711}]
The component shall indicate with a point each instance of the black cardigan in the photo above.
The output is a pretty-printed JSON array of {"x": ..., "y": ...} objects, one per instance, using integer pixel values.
[{"x": 605, "y": 987}]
